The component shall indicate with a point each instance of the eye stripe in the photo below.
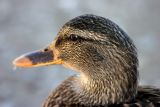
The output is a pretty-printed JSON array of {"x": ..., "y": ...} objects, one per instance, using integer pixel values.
[{"x": 74, "y": 38}]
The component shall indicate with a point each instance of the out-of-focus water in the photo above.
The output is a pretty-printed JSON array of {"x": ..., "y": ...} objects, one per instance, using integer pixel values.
[{"x": 27, "y": 25}]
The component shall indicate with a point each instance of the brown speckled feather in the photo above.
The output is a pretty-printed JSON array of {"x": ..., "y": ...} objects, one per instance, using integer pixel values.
[{"x": 146, "y": 97}]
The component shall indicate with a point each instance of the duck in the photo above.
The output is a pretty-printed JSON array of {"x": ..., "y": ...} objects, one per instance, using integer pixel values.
[{"x": 105, "y": 60}]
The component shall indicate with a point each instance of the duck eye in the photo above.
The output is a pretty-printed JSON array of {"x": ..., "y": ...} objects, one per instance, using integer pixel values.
[{"x": 74, "y": 37}]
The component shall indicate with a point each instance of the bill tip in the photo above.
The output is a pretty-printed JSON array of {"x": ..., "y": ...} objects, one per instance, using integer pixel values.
[{"x": 22, "y": 61}]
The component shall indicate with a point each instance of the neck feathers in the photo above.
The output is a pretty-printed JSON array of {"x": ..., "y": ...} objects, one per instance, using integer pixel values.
[{"x": 103, "y": 91}]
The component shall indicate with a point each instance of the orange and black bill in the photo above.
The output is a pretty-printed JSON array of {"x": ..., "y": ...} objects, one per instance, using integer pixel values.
[{"x": 37, "y": 58}]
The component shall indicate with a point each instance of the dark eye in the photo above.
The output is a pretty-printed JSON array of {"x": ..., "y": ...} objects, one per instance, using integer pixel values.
[{"x": 74, "y": 37}]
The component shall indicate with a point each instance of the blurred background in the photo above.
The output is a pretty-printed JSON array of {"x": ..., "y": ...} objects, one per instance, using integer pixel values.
[{"x": 27, "y": 25}]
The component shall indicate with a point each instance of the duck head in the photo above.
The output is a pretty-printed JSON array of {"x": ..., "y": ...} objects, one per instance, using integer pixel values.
[{"x": 99, "y": 50}]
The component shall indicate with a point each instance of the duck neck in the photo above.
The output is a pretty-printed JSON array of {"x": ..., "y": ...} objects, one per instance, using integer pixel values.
[{"x": 107, "y": 88}]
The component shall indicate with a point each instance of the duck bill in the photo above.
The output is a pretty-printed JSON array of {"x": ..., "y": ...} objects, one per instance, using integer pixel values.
[{"x": 37, "y": 58}]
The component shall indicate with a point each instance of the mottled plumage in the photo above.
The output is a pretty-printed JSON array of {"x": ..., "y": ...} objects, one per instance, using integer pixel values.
[{"x": 107, "y": 65}]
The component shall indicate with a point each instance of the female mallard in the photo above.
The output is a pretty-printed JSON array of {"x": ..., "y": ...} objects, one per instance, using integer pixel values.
[{"x": 106, "y": 61}]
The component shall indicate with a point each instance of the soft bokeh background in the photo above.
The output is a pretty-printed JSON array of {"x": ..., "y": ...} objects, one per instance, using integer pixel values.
[{"x": 27, "y": 25}]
